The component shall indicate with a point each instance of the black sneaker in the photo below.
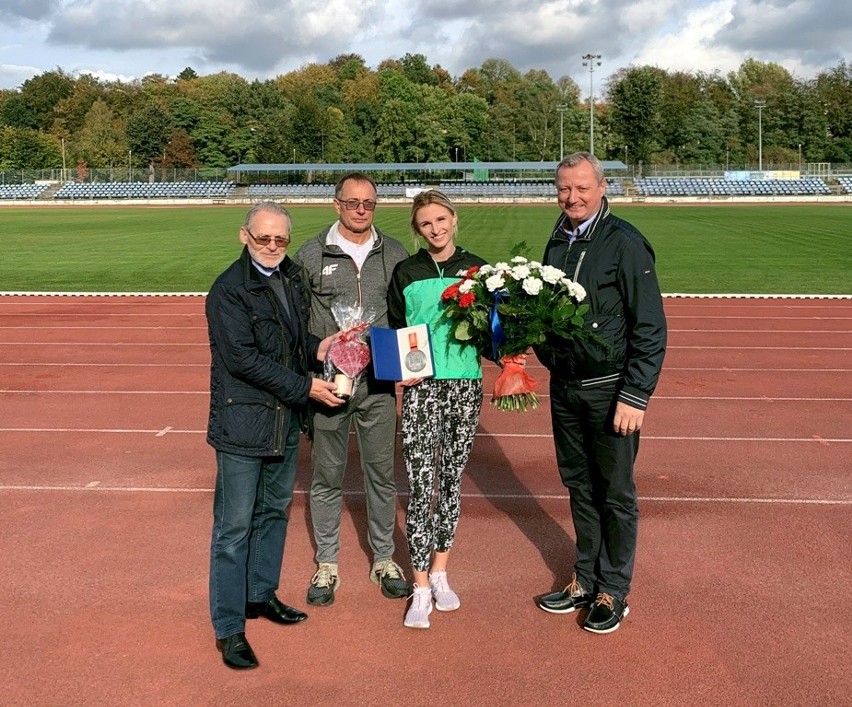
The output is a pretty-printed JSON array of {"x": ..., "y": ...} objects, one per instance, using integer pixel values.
[
  {"x": 606, "y": 614},
  {"x": 570, "y": 599},
  {"x": 388, "y": 575},
  {"x": 323, "y": 585}
]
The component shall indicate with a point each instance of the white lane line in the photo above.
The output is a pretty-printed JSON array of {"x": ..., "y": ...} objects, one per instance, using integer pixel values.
[
  {"x": 790, "y": 296},
  {"x": 99, "y": 315},
  {"x": 110, "y": 328},
  {"x": 494, "y": 435},
  {"x": 763, "y": 348},
  {"x": 114, "y": 392},
  {"x": 809, "y": 318},
  {"x": 101, "y": 343},
  {"x": 736, "y": 331},
  {"x": 699, "y": 398},
  {"x": 507, "y": 496},
  {"x": 94, "y": 312},
  {"x": 721, "y": 369},
  {"x": 87, "y": 327},
  {"x": 728, "y": 369},
  {"x": 206, "y": 344},
  {"x": 125, "y": 365},
  {"x": 50, "y": 295}
]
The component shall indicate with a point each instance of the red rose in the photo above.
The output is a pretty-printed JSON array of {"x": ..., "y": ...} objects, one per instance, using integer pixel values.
[
  {"x": 472, "y": 270},
  {"x": 451, "y": 293},
  {"x": 467, "y": 299}
]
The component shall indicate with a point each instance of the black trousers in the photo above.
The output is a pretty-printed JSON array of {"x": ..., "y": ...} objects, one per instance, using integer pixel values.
[{"x": 596, "y": 466}]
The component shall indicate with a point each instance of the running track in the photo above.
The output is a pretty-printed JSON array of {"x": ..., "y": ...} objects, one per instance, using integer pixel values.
[{"x": 741, "y": 592}]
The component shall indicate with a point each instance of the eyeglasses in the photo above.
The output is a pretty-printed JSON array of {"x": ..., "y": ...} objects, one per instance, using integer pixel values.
[
  {"x": 352, "y": 204},
  {"x": 266, "y": 240}
]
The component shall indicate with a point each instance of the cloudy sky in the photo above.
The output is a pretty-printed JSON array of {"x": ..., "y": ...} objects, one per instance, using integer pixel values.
[{"x": 127, "y": 39}]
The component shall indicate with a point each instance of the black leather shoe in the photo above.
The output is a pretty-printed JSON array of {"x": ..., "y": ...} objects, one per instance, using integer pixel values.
[
  {"x": 275, "y": 611},
  {"x": 606, "y": 615},
  {"x": 570, "y": 599},
  {"x": 236, "y": 652}
]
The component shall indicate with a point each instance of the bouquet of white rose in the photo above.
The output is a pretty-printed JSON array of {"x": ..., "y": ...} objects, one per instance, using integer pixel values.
[{"x": 505, "y": 309}]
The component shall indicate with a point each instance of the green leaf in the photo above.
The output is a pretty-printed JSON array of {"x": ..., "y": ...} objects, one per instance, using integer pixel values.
[{"x": 463, "y": 332}]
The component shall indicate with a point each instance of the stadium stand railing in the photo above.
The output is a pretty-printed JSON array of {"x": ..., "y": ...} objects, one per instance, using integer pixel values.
[{"x": 145, "y": 190}]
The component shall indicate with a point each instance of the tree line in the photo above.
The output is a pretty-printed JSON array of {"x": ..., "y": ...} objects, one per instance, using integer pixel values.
[{"x": 407, "y": 110}]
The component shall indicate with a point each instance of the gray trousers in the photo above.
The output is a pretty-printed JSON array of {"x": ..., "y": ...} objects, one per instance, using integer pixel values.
[{"x": 374, "y": 420}]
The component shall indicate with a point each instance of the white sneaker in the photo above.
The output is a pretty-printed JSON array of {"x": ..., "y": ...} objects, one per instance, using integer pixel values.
[
  {"x": 445, "y": 598},
  {"x": 417, "y": 615}
]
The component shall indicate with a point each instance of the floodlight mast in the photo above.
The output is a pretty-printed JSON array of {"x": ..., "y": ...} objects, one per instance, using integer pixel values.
[
  {"x": 562, "y": 107},
  {"x": 591, "y": 60},
  {"x": 760, "y": 105}
]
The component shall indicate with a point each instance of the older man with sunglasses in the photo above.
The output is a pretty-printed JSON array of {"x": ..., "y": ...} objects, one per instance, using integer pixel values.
[
  {"x": 353, "y": 261},
  {"x": 260, "y": 383}
]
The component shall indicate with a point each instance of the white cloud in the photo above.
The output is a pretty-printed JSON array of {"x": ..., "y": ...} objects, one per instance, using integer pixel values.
[
  {"x": 12, "y": 75},
  {"x": 263, "y": 38}
]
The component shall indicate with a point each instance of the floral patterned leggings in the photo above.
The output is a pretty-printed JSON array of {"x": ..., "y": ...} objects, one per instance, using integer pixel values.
[{"x": 439, "y": 420}]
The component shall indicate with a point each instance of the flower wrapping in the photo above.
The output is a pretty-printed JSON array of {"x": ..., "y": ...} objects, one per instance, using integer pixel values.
[
  {"x": 507, "y": 308},
  {"x": 349, "y": 354}
]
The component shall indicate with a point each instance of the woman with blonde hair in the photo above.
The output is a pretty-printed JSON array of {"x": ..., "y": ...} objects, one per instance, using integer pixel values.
[{"x": 439, "y": 414}]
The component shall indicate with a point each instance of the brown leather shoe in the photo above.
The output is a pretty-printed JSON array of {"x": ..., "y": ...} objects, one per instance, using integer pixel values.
[
  {"x": 236, "y": 652},
  {"x": 274, "y": 610}
]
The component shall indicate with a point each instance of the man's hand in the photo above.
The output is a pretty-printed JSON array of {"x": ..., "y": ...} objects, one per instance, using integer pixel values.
[
  {"x": 323, "y": 392},
  {"x": 324, "y": 344},
  {"x": 627, "y": 420}
]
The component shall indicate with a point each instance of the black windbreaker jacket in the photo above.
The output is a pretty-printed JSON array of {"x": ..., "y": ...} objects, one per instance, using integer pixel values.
[
  {"x": 259, "y": 368},
  {"x": 615, "y": 264}
]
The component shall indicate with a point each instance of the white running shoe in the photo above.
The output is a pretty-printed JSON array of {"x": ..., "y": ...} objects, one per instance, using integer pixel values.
[
  {"x": 417, "y": 615},
  {"x": 445, "y": 598}
]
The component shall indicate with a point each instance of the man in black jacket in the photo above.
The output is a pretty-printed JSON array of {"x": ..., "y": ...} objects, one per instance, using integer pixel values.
[
  {"x": 261, "y": 358},
  {"x": 599, "y": 389}
]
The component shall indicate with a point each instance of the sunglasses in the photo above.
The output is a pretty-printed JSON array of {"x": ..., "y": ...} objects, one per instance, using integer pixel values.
[
  {"x": 266, "y": 240},
  {"x": 352, "y": 204}
]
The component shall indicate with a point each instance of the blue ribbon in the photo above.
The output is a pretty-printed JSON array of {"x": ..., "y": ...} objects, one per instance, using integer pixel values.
[{"x": 498, "y": 337}]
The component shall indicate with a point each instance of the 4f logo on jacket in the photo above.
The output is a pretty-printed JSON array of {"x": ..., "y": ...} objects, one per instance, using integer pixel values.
[{"x": 328, "y": 269}]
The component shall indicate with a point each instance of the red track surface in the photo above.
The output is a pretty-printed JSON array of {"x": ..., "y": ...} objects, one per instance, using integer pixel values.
[{"x": 741, "y": 592}]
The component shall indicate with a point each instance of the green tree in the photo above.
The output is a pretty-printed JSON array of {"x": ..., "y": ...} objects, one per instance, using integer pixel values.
[
  {"x": 399, "y": 105},
  {"x": 70, "y": 113},
  {"x": 635, "y": 96},
  {"x": 539, "y": 99},
  {"x": 25, "y": 148},
  {"x": 42, "y": 93},
  {"x": 416, "y": 69},
  {"x": 776, "y": 124},
  {"x": 147, "y": 130},
  {"x": 15, "y": 113},
  {"x": 100, "y": 142},
  {"x": 829, "y": 109}
]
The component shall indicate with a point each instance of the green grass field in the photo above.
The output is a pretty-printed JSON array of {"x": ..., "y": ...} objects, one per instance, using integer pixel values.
[{"x": 772, "y": 249}]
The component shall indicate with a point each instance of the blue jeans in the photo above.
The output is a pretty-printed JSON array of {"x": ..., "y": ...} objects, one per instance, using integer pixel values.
[{"x": 250, "y": 514}]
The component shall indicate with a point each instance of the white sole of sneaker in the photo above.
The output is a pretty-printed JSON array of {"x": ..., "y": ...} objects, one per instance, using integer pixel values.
[
  {"x": 418, "y": 624},
  {"x": 560, "y": 611},
  {"x": 609, "y": 630}
]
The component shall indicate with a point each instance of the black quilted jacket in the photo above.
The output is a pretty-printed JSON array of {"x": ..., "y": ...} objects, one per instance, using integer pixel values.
[
  {"x": 615, "y": 264},
  {"x": 259, "y": 375}
]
